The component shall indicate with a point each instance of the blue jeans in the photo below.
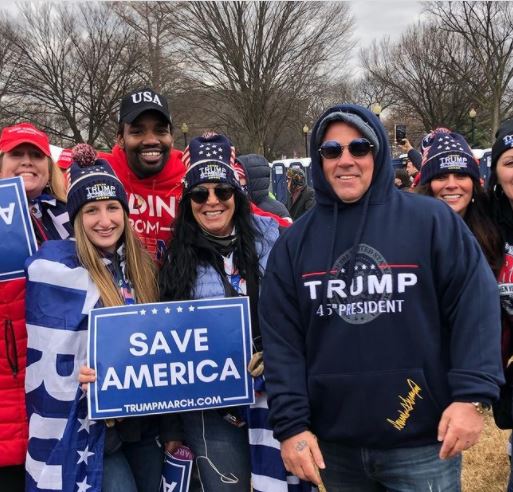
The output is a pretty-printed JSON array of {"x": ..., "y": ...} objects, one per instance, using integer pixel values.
[
  {"x": 135, "y": 467},
  {"x": 221, "y": 452},
  {"x": 415, "y": 469}
]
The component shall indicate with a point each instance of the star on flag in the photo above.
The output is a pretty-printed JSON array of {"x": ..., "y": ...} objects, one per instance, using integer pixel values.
[
  {"x": 84, "y": 455},
  {"x": 83, "y": 486},
  {"x": 85, "y": 424}
]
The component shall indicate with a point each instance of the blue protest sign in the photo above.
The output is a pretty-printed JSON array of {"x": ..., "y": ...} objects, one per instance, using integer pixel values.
[
  {"x": 176, "y": 472},
  {"x": 169, "y": 357},
  {"x": 18, "y": 238}
]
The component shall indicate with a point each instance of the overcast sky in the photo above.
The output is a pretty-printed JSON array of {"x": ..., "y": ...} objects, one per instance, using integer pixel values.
[
  {"x": 377, "y": 19},
  {"x": 373, "y": 19}
]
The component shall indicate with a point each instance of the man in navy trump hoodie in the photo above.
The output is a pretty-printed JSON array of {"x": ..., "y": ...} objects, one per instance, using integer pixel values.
[{"x": 381, "y": 336}]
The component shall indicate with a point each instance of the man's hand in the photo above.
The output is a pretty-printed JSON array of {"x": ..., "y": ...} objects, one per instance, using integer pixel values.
[
  {"x": 405, "y": 145},
  {"x": 459, "y": 428},
  {"x": 172, "y": 446},
  {"x": 302, "y": 456}
]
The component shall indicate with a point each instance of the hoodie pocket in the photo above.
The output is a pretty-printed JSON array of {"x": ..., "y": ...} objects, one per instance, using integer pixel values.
[{"x": 381, "y": 409}]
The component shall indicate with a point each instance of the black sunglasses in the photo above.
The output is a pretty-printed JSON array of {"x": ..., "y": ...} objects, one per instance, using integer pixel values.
[
  {"x": 357, "y": 148},
  {"x": 199, "y": 194}
]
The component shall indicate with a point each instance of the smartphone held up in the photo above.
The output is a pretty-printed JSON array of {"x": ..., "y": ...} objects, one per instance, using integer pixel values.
[{"x": 400, "y": 134}]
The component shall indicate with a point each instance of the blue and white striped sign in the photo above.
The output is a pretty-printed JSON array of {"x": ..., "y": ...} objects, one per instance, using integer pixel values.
[
  {"x": 18, "y": 238},
  {"x": 170, "y": 357}
]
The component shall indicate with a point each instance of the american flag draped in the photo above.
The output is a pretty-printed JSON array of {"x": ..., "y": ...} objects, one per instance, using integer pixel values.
[
  {"x": 268, "y": 472},
  {"x": 65, "y": 450}
]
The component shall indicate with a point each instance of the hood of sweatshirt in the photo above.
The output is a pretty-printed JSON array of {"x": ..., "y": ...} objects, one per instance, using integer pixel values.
[
  {"x": 383, "y": 176},
  {"x": 360, "y": 310},
  {"x": 381, "y": 186}
]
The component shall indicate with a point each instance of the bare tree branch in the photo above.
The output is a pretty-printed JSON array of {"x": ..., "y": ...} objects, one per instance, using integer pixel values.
[{"x": 259, "y": 59}]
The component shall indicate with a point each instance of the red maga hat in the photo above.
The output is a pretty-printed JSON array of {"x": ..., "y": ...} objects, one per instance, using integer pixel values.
[{"x": 12, "y": 136}]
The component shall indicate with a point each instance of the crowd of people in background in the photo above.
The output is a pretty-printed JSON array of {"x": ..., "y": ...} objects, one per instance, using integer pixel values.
[{"x": 378, "y": 343}]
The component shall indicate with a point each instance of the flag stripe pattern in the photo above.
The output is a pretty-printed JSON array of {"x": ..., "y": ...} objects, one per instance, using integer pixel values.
[
  {"x": 65, "y": 450},
  {"x": 268, "y": 471}
]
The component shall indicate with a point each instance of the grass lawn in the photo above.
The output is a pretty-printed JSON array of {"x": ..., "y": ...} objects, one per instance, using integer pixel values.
[{"x": 486, "y": 465}]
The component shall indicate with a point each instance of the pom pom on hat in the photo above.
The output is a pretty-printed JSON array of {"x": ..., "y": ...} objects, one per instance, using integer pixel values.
[
  {"x": 91, "y": 179},
  {"x": 84, "y": 155}
]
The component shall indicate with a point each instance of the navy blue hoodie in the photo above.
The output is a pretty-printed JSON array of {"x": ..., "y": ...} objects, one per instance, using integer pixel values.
[{"x": 374, "y": 362}]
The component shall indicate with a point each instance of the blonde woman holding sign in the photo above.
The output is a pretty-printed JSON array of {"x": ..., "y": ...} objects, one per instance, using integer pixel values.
[{"x": 105, "y": 266}]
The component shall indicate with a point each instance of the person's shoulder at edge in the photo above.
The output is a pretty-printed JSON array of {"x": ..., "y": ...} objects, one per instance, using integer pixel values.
[{"x": 283, "y": 222}]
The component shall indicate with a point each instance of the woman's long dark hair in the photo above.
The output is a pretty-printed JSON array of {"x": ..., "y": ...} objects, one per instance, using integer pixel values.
[
  {"x": 189, "y": 248},
  {"x": 479, "y": 221}
]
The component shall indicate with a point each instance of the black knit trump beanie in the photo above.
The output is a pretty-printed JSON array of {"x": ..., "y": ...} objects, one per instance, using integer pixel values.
[
  {"x": 448, "y": 152},
  {"x": 503, "y": 141},
  {"x": 90, "y": 180},
  {"x": 210, "y": 159}
]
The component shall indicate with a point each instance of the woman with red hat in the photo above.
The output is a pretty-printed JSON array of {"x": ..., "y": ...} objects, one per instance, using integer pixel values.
[{"x": 25, "y": 152}]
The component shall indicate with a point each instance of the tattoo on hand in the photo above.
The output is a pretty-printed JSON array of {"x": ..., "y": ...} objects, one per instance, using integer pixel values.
[{"x": 301, "y": 445}]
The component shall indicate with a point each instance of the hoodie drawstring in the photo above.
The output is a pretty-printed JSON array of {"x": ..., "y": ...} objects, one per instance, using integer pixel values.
[
  {"x": 357, "y": 238},
  {"x": 348, "y": 277},
  {"x": 331, "y": 253}
]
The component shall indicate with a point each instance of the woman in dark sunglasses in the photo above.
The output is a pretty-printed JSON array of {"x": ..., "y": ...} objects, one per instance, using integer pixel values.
[{"x": 219, "y": 249}]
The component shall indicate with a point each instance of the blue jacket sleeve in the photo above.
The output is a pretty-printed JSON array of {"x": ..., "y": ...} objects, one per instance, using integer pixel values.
[
  {"x": 283, "y": 342},
  {"x": 469, "y": 301},
  {"x": 415, "y": 157}
]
